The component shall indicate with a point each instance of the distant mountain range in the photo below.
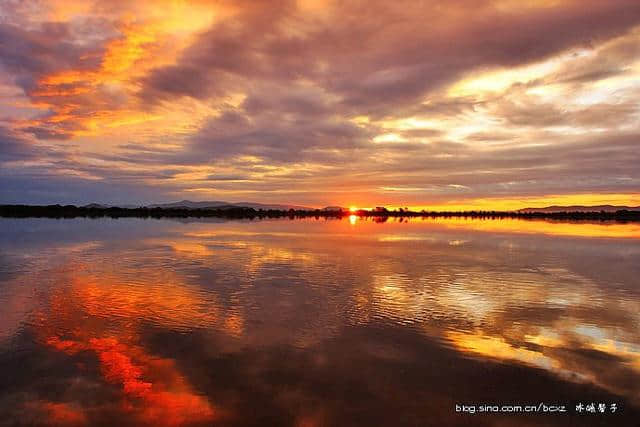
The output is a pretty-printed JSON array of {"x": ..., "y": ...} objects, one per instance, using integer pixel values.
[
  {"x": 215, "y": 204},
  {"x": 101, "y": 206},
  {"x": 599, "y": 208},
  {"x": 188, "y": 204}
]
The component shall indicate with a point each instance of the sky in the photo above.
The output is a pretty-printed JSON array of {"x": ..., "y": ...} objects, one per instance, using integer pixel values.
[{"x": 489, "y": 104}]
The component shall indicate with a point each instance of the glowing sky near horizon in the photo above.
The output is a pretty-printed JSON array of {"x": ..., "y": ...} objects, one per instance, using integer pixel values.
[{"x": 493, "y": 104}]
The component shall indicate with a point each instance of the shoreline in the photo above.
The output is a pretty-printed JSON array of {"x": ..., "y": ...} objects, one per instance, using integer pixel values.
[{"x": 71, "y": 211}]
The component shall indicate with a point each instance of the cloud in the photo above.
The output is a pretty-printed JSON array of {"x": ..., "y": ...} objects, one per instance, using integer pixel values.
[
  {"x": 12, "y": 147},
  {"x": 387, "y": 57},
  {"x": 15, "y": 146},
  {"x": 29, "y": 54},
  {"x": 276, "y": 136},
  {"x": 309, "y": 100}
]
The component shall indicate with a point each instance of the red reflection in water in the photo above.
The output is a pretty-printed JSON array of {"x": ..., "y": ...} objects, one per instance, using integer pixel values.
[
  {"x": 153, "y": 390},
  {"x": 62, "y": 414}
]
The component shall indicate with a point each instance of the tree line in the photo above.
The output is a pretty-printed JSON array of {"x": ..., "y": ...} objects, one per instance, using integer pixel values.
[{"x": 380, "y": 215}]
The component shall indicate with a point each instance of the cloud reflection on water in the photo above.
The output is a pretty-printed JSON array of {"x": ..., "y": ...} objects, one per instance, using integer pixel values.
[{"x": 246, "y": 288}]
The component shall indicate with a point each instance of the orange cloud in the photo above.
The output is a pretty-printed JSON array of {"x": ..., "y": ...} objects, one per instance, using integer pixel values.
[{"x": 83, "y": 101}]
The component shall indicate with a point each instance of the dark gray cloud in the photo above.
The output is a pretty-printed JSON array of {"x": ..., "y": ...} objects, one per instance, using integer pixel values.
[
  {"x": 29, "y": 54},
  {"x": 13, "y": 147},
  {"x": 16, "y": 146},
  {"x": 379, "y": 56},
  {"x": 275, "y": 137}
]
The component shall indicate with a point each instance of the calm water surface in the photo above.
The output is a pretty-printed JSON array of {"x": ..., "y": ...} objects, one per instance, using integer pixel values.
[{"x": 316, "y": 322}]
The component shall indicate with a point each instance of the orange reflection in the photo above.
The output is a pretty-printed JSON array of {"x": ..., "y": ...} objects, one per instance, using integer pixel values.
[
  {"x": 508, "y": 225},
  {"x": 154, "y": 391},
  {"x": 554, "y": 351},
  {"x": 65, "y": 414},
  {"x": 234, "y": 325},
  {"x": 497, "y": 347},
  {"x": 58, "y": 414},
  {"x": 353, "y": 219},
  {"x": 393, "y": 230}
]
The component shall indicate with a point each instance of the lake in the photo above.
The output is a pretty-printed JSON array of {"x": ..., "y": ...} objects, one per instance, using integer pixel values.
[{"x": 319, "y": 322}]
